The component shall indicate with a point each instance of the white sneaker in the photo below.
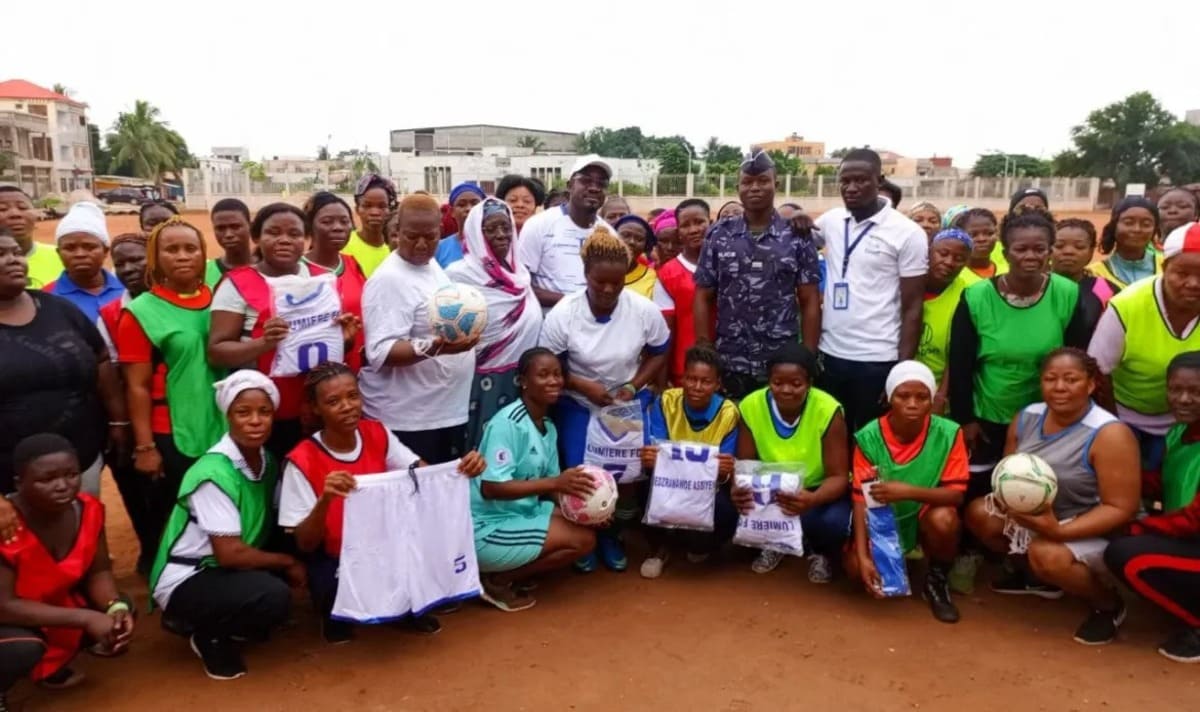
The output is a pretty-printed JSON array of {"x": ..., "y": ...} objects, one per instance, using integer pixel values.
[
  {"x": 653, "y": 566},
  {"x": 766, "y": 562},
  {"x": 819, "y": 569}
]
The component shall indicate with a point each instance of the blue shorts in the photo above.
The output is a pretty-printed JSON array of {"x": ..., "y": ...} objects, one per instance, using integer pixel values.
[{"x": 511, "y": 543}]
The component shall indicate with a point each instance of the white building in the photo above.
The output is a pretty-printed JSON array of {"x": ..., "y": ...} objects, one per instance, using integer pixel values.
[
  {"x": 235, "y": 154},
  {"x": 222, "y": 175},
  {"x": 68, "y": 146},
  {"x": 472, "y": 139},
  {"x": 1193, "y": 117},
  {"x": 439, "y": 173}
]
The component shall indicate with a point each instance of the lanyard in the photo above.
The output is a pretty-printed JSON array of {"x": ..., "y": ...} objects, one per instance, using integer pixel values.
[{"x": 851, "y": 246}]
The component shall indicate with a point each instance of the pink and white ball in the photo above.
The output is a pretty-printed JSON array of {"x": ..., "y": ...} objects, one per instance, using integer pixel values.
[{"x": 598, "y": 508}]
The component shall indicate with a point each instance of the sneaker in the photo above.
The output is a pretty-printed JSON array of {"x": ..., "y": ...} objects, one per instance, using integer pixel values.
[
  {"x": 937, "y": 593},
  {"x": 1100, "y": 627},
  {"x": 612, "y": 553},
  {"x": 963, "y": 573},
  {"x": 1018, "y": 583},
  {"x": 1183, "y": 646},
  {"x": 221, "y": 660},
  {"x": 504, "y": 596},
  {"x": 698, "y": 557},
  {"x": 587, "y": 564},
  {"x": 766, "y": 562},
  {"x": 653, "y": 566},
  {"x": 64, "y": 678},
  {"x": 820, "y": 570},
  {"x": 424, "y": 624},
  {"x": 336, "y": 632}
]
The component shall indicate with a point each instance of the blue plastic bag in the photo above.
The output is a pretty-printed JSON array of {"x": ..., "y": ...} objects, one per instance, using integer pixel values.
[{"x": 886, "y": 551}]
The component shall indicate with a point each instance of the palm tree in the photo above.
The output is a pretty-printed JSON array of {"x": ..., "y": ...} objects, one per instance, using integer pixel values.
[
  {"x": 60, "y": 88},
  {"x": 142, "y": 141},
  {"x": 532, "y": 142}
]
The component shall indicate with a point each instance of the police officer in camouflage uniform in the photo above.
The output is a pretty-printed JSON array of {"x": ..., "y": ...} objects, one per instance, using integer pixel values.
[{"x": 760, "y": 272}]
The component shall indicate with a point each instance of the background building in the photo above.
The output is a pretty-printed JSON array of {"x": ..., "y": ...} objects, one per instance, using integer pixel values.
[
  {"x": 471, "y": 139},
  {"x": 63, "y": 141},
  {"x": 795, "y": 146},
  {"x": 1193, "y": 117}
]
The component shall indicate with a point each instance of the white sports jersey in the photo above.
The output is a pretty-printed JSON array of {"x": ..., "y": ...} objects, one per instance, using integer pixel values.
[
  {"x": 407, "y": 545},
  {"x": 767, "y": 526},
  {"x": 683, "y": 490},
  {"x": 615, "y": 437},
  {"x": 311, "y": 307}
]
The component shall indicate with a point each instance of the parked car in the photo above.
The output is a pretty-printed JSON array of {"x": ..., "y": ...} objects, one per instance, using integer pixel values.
[{"x": 123, "y": 195}]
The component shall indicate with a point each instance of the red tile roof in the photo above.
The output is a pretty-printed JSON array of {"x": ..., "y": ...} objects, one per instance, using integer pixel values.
[{"x": 21, "y": 89}]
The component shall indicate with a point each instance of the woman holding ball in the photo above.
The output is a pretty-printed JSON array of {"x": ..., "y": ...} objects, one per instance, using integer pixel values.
[
  {"x": 519, "y": 530},
  {"x": 514, "y": 317},
  {"x": 415, "y": 383},
  {"x": 1095, "y": 458}
]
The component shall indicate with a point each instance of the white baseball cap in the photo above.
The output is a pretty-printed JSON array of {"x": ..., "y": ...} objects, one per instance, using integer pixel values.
[{"x": 590, "y": 160}]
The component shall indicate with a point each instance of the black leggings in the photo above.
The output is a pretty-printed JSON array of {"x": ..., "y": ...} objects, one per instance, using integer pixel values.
[
  {"x": 221, "y": 603},
  {"x": 137, "y": 491},
  {"x": 21, "y": 649},
  {"x": 1164, "y": 570},
  {"x": 436, "y": 446}
]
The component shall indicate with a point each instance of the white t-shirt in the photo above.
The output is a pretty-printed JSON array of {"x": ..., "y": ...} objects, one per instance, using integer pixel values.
[
  {"x": 213, "y": 514},
  {"x": 609, "y": 351},
  {"x": 431, "y": 393},
  {"x": 549, "y": 248},
  {"x": 893, "y": 247},
  {"x": 296, "y": 496},
  {"x": 228, "y": 299}
]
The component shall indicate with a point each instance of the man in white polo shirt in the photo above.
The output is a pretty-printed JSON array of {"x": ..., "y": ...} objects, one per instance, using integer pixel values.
[
  {"x": 550, "y": 241},
  {"x": 874, "y": 290}
]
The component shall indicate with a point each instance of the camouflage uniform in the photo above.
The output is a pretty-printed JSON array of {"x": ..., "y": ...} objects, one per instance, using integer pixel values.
[{"x": 755, "y": 280}]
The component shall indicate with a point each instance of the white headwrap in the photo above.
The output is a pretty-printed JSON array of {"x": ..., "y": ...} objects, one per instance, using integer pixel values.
[
  {"x": 513, "y": 311},
  {"x": 906, "y": 371},
  {"x": 244, "y": 380},
  {"x": 86, "y": 218}
]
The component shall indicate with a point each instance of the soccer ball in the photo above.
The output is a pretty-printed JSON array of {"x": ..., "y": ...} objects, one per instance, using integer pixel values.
[
  {"x": 457, "y": 312},
  {"x": 596, "y": 509},
  {"x": 1024, "y": 483}
]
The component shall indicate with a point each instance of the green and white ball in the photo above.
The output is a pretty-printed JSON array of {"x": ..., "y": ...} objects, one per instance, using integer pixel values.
[{"x": 1024, "y": 483}]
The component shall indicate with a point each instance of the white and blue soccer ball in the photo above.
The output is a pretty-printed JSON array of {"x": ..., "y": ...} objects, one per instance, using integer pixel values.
[{"x": 457, "y": 312}]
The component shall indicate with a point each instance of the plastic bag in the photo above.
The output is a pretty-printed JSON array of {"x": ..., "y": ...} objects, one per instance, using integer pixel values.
[
  {"x": 886, "y": 550},
  {"x": 683, "y": 491},
  {"x": 615, "y": 437},
  {"x": 311, "y": 307},
  {"x": 767, "y": 527}
]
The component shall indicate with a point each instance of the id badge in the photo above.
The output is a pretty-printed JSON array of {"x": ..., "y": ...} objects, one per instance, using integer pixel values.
[{"x": 841, "y": 295}]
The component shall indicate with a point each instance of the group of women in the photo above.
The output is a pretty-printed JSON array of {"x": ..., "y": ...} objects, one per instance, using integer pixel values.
[{"x": 1024, "y": 349}]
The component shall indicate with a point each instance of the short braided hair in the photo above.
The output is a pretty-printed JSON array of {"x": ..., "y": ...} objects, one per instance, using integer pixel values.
[
  {"x": 153, "y": 275},
  {"x": 603, "y": 246}
]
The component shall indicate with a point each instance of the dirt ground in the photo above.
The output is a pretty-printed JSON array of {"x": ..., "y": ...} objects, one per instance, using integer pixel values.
[{"x": 712, "y": 637}]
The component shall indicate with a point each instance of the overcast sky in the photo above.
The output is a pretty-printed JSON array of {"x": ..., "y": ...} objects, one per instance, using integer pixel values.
[{"x": 919, "y": 78}]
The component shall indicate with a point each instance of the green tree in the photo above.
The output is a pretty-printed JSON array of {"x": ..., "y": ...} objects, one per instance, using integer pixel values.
[
  {"x": 322, "y": 153},
  {"x": 531, "y": 142},
  {"x": 992, "y": 165},
  {"x": 673, "y": 160},
  {"x": 717, "y": 152},
  {"x": 1134, "y": 140},
  {"x": 254, "y": 171},
  {"x": 60, "y": 88},
  {"x": 785, "y": 165},
  {"x": 841, "y": 152},
  {"x": 143, "y": 145},
  {"x": 100, "y": 154}
]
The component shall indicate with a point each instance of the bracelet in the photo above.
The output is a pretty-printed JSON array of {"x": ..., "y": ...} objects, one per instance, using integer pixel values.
[
  {"x": 117, "y": 606},
  {"x": 119, "y": 423},
  {"x": 144, "y": 448}
]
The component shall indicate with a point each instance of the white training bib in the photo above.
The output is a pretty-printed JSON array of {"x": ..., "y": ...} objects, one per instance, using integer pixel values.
[
  {"x": 615, "y": 436},
  {"x": 767, "y": 526},
  {"x": 684, "y": 487},
  {"x": 407, "y": 545},
  {"x": 311, "y": 307}
]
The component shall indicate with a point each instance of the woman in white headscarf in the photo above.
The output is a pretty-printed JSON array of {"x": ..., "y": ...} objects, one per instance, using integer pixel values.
[
  {"x": 213, "y": 576},
  {"x": 514, "y": 318},
  {"x": 917, "y": 463}
]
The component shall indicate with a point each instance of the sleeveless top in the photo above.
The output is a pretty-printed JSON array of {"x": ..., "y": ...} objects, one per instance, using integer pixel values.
[
  {"x": 1140, "y": 379},
  {"x": 316, "y": 462},
  {"x": 803, "y": 444},
  {"x": 38, "y": 576},
  {"x": 1067, "y": 454}
]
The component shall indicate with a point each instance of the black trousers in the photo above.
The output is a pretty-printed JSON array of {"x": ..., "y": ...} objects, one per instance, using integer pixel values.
[
  {"x": 20, "y": 650},
  {"x": 858, "y": 386},
  {"x": 285, "y": 435},
  {"x": 322, "y": 581},
  {"x": 1164, "y": 570},
  {"x": 163, "y": 492},
  {"x": 136, "y": 494},
  {"x": 436, "y": 446},
  {"x": 219, "y": 603},
  {"x": 737, "y": 386}
]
